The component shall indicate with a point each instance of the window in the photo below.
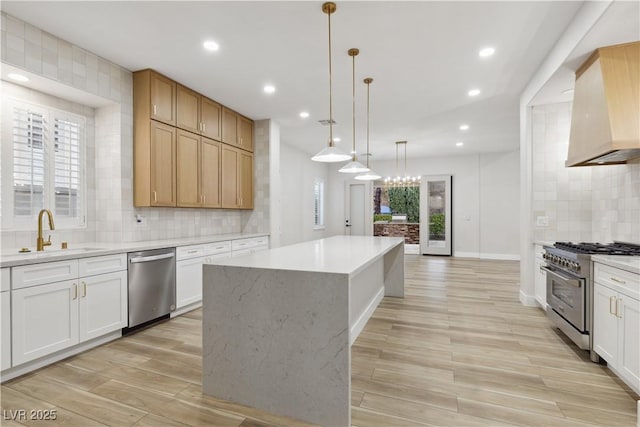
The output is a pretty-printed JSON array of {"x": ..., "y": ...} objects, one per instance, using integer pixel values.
[
  {"x": 318, "y": 205},
  {"x": 44, "y": 164}
]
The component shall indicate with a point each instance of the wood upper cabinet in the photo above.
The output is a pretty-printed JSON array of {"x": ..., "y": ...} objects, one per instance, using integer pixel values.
[
  {"x": 198, "y": 174},
  {"x": 237, "y": 178},
  {"x": 237, "y": 130},
  {"x": 198, "y": 114},
  {"x": 160, "y": 96},
  {"x": 162, "y": 156}
]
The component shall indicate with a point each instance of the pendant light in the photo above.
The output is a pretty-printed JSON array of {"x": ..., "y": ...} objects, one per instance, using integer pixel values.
[
  {"x": 354, "y": 166},
  {"x": 331, "y": 153},
  {"x": 370, "y": 175}
]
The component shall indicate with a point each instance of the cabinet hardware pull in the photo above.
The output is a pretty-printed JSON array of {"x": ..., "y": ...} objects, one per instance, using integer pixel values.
[
  {"x": 155, "y": 197},
  {"x": 193, "y": 251},
  {"x": 204, "y": 198},
  {"x": 75, "y": 291},
  {"x": 241, "y": 141},
  {"x": 617, "y": 280},
  {"x": 611, "y": 299},
  {"x": 204, "y": 127},
  {"x": 155, "y": 109},
  {"x": 619, "y": 308},
  {"x": 84, "y": 289}
]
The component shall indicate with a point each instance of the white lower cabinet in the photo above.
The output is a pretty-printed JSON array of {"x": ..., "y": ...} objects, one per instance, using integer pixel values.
[
  {"x": 49, "y": 317},
  {"x": 103, "y": 304},
  {"x": 616, "y": 322},
  {"x": 189, "y": 281},
  {"x": 5, "y": 319},
  {"x": 540, "y": 279},
  {"x": 44, "y": 320}
]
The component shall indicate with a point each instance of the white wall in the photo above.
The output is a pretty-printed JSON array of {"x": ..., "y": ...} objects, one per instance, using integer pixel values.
[
  {"x": 298, "y": 175},
  {"x": 485, "y": 200}
]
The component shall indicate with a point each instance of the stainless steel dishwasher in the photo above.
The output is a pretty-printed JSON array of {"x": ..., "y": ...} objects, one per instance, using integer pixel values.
[{"x": 152, "y": 285}]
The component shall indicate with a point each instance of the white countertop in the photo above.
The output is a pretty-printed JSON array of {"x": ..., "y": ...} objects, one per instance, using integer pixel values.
[
  {"x": 337, "y": 254},
  {"x": 623, "y": 262},
  {"x": 85, "y": 250}
]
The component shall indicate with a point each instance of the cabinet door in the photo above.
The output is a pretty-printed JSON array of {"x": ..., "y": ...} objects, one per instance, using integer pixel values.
[
  {"x": 103, "y": 304},
  {"x": 188, "y": 173},
  {"x": 210, "y": 117},
  {"x": 629, "y": 339},
  {"x": 210, "y": 173},
  {"x": 44, "y": 320},
  {"x": 229, "y": 127},
  {"x": 163, "y": 165},
  {"x": 189, "y": 281},
  {"x": 605, "y": 324},
  {"x": 229, "y": 177},
  {"x": 188, "y": 109},
  {"x": 245, "y": 133},
  {"x": 5, "y": 318},
  {"x": 246, "y": 180},
  {"x": 163, "y": 99}
]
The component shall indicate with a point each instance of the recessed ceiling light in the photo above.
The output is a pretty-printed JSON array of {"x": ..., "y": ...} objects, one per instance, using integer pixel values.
[
  {"x": 486, "y": 51},
  {"x": 211, "y": 46},
  {"x": 304, "y": 114},
  {"x": 18, "y": 77},
  {"x": 464, "y": 127},
  {"x": 474, "y": 92},
  {"x": 336, "y": 139},
  {"x": 269, "y": 89},
  {"x": 459, "y": 144}
]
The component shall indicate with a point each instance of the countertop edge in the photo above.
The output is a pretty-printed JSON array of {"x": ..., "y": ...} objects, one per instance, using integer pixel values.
[{"x": 615, "y": 261}]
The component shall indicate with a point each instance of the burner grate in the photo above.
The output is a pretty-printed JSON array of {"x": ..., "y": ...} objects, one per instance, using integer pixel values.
[{"x": 616, "y": 248}]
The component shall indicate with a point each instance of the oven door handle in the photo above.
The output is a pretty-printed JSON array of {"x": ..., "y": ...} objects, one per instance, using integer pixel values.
[{"x": 568, "y": 280}]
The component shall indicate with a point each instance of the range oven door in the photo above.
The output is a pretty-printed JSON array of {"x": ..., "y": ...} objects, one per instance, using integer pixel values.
[{"x": 566, "y": 295}]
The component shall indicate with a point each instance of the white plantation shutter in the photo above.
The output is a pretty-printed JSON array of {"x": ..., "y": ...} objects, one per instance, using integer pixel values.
[
  {"x": 67, "y": 135},
  {"x": 43, "y": 165},
  {"x": 318, "y": 204},
  {"x": 29, "y": 155}
]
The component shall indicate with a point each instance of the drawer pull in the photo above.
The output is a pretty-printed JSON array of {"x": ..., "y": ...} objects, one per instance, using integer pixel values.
[
  {"x": 195, "y": 251},
  {"x": 612, "y": 299},
  {"x": 75, "y": 291},
  {"x": 220, "y": 247},
  {"x": 617, "y": 280},
  {"x": 84, "y": 289}
]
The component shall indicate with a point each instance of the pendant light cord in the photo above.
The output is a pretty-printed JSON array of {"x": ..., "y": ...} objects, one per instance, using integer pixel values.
[
  {"x": 368, "y": 154},
  {"x": 353, "y": 107},
  {"x": 330, "y": 94}
]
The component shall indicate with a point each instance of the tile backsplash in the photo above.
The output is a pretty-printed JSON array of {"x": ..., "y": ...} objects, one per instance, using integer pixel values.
[{"x": 591, "y": 203}]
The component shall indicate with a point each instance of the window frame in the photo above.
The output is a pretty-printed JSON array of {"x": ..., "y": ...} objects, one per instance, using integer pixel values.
[
  {"x": 318, "y": 205},
  {"x": 11, "y": 222}
]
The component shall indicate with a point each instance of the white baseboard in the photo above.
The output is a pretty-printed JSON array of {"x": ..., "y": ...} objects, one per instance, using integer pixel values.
[
  {"x": 186, "y": 309},
  {"x": 506, "y": 257},
  {"x": 459, "y": 254},
  {"x": 55, "y": 357},
  {"x": 358, "y": 326},
  {"x": 528, "y": 300}
]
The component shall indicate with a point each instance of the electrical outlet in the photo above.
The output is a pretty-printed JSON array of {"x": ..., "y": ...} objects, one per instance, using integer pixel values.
[{"x": 542, "y": 221}]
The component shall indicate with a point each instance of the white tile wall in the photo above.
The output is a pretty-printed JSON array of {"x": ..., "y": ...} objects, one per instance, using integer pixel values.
[
  {"x": 597, "y": 203},
  {"x": 113, "y": 219}
]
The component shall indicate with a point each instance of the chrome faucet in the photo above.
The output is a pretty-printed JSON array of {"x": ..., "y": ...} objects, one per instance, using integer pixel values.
[{"x": 41, "y": 243}]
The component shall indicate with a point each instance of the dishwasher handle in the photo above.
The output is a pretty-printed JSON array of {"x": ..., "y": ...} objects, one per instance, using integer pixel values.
[{"x": 150, "y": 258}]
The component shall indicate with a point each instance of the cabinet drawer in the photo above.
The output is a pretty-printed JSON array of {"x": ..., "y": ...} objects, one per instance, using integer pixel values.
[
  {"x": 39, "y": 274},
  {"x": 249, "y": 243},
  {"x": 621, "y": 280},
  {"x": 218, "y": 248},
  {"x": 192, "y": 251},
  {"x": 5, "y": 280},
  {"x": 102, "y": 264},
  {"x": 241, "y": 252},
  {"x": 260, "y": 248}
]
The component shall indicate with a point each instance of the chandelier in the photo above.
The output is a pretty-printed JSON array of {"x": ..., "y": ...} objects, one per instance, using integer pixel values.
[{"x": 402, "y": 181}]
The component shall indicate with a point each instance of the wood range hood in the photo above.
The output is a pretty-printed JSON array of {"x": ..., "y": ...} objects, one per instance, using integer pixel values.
[{"x": 605, "y": 120}]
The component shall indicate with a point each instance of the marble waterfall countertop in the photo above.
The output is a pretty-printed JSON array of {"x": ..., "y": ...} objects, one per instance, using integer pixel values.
[
  {"x": 86, "y": 250},
  {"x": 337, "y": 254},
  {"x": 623, "y": 262}
]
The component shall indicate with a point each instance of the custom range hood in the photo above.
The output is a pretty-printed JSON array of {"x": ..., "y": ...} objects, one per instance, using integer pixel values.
[{"x": 605, "y": 120}]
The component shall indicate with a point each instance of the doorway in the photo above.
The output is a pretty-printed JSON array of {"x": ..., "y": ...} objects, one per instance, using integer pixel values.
[
  {"x": 357, "y": 206},
  {"x": 435, "y": 218}
]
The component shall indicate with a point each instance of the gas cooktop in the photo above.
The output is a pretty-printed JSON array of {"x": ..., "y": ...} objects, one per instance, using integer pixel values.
[{"x": 616, "y": 248}]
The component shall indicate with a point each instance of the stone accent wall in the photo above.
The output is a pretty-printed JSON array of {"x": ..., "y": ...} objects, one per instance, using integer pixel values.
[{"x": 410, "y": 232}]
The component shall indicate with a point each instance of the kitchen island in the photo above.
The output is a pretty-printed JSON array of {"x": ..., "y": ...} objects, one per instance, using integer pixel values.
[{"x": 278, "y": 325}]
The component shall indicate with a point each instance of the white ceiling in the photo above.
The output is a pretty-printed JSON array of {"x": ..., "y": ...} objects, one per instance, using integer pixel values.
[{"x": 423, "y": 57}]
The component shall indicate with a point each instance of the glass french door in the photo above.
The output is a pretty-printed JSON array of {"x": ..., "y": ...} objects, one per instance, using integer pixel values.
[{"x": 435, "y": 215}]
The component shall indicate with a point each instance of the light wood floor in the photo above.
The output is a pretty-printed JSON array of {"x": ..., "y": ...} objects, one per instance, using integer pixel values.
[{"x": 458, "y": 350}]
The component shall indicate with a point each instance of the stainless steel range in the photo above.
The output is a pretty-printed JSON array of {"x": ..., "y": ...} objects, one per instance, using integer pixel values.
[{"x": 570, "y": 286}]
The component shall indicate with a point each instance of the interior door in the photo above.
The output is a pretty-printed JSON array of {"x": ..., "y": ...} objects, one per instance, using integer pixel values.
[
  {"x": 435, "y": 215},
  {"x": 356, "y": 209}
]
